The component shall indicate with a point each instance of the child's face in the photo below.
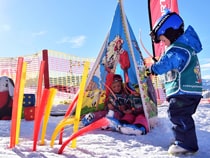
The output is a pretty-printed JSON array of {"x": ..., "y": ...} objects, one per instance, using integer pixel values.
[
  {"x": 165, "y": 40},
  {"x": 116, "y": 87}
]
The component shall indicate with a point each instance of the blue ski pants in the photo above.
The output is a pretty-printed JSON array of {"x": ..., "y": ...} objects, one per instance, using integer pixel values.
[{"x": 180, "y": 111}]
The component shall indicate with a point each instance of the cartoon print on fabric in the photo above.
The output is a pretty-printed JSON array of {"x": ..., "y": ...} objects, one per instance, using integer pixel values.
[
  {"x": 116, "y": 54},
  {"x": 197, "y": 72}
]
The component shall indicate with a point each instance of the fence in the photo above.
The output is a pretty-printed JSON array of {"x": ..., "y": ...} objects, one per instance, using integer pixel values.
[{"x": 64, "y": 72}]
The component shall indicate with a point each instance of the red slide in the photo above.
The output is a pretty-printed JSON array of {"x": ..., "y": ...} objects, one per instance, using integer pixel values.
[{"x": 95, "y": 125}]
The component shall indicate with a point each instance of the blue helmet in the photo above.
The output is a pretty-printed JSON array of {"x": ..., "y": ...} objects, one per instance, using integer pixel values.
[{"x": 170, "y": 25}]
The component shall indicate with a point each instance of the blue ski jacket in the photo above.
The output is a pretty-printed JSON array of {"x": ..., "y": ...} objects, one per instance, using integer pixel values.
[{"x": 177, "y": 59}]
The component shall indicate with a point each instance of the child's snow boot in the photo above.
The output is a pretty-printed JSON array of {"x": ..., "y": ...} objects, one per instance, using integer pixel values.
[
  {"x": 131, "y": 129},
  {"x": 175, "y": 149},
  {"x": 87, "y": 119},
  {"x": 114, "y": 124}
]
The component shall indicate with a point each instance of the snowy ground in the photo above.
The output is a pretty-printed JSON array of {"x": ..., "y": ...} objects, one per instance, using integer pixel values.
[{"x": 107, "y": 144}]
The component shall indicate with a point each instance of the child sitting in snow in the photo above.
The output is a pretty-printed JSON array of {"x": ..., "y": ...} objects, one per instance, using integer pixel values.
[
  {"x": 124, "y": 113},
  {"x": 127, "y": 114}
]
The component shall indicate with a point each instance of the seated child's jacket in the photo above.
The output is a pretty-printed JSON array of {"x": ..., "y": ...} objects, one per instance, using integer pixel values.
[
  {"x": 136, "y": 104},
  {"x": 120, "y": 102}
]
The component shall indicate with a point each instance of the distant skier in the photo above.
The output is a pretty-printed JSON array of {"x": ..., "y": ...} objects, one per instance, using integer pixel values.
[{"x": 182, "y": 78}]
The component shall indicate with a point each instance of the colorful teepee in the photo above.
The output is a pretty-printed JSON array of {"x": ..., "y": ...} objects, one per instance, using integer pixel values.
[{"x": 120, "y": 54}]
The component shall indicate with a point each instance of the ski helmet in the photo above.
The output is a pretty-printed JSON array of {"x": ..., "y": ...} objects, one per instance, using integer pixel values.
[{"x": 170, "y": 25}]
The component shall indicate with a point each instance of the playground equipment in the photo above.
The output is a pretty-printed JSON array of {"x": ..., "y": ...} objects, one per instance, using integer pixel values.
[
  {"x": 43, "y": 99},
  {"x": 17, "y": 102},
  {"x": 76, "y": 119}
]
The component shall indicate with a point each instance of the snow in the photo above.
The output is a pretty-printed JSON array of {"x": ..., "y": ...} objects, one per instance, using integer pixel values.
[{"x": 106, "y": 144}]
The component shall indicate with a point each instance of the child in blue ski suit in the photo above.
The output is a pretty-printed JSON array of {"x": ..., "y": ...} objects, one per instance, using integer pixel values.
[{"x": 182, "y": 78}]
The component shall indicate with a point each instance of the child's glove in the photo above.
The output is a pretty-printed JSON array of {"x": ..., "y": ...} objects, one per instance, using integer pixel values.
[{"x": 147, "y": 72}]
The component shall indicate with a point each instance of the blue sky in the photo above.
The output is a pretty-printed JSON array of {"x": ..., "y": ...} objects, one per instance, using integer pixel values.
[{"x": 79, "y": 27}]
